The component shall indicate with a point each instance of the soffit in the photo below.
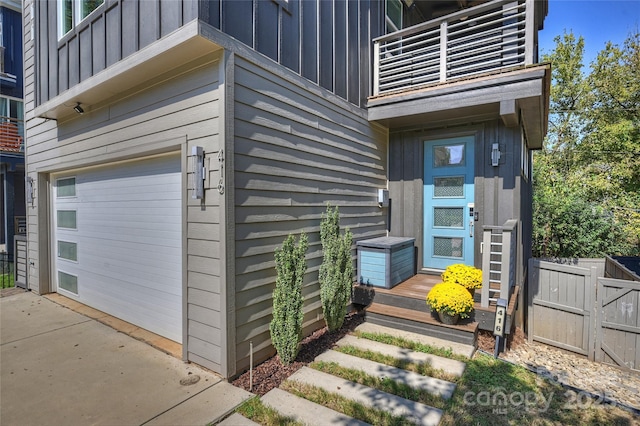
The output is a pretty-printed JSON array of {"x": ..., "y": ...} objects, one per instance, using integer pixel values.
[
  {"x": 183, "y": 45},
  {"x": 522, "y": 93}
]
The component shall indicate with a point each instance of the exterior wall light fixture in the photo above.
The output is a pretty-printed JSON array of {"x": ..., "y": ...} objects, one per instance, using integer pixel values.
[
  {"x": 78, "y": 109},
  {"x": 198, "y": 172},
  {"x": 495, "y": 155}
]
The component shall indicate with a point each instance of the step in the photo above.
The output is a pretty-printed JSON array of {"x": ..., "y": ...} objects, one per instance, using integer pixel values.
[
  {"x": 401, "y": 301},
  {"x": 237, "y": 419},
  {"x": 449, "y": 366},
  {"x": 417, "y": 412},
  {"x": 432, "y": 385},
  {"x": 305, "y": 411},
  {"x": 456, "y": 348},
  {"x": 422, "y": 323}
]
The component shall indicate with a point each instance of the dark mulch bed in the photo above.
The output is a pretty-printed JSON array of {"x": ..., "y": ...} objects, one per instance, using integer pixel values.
[
  {"x": 271, "y": 373},
  {"x": 487, "y": 341}
]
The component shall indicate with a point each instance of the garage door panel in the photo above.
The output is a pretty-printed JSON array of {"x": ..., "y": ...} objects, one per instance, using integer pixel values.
[
  {"x": 128, "y": 272},
  {"x": 148, "y": 237},
  {"x": 129, "y": 241},
  {"x": 150, "y": 313},
  {"x": 160, "y": 259}
]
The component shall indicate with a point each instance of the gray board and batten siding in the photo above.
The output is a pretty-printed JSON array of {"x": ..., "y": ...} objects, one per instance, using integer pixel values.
[
  {"x": 498, "y": 190},
  {"x": 335, "y": 56},
  {"x": 295, "y": 150}
]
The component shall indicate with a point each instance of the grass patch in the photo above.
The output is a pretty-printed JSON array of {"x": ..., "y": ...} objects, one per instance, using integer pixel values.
[
  {"x": 493, "y": 392},
  {"x": 6, "y": 275},
  {"x": 421, "y": 368},
  {"x": 414, "y": 346},
  {"x": 343, "y": 405},
  {"x": 256, "y": 411},
  {"x": 386, "y": 385}
]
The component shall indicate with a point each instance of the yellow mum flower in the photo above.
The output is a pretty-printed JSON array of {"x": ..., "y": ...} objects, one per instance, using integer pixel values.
[
  {"x": 467, "y": 276},
  {"x": 450, "y": 298}
]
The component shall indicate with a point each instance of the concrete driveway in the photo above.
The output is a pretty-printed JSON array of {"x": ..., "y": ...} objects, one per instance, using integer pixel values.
[{"x": 58, "y": 367}]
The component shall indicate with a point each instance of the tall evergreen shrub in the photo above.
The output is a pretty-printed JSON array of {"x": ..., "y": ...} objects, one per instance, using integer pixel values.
[
  {"x": 336, "y": 271},
  {"x": 286, "y": 325}
]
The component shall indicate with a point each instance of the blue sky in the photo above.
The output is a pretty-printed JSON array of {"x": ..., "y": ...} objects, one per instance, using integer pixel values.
[{"x": 597, "y": 21}]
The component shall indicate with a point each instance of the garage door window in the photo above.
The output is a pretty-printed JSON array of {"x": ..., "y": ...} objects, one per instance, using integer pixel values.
[
  {"x": 68, "y": 282},
  {"x": 67, "y": 219},
  {"x": 66, "y": 187},
  {"x": 67, "y": 250}
]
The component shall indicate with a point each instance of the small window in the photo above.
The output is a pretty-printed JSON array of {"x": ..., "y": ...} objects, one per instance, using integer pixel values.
[
  {"x": 72, "y": 12},
  {"x": 66, "y": 187},
  {"x": 393, "y": 16},
  {"x": 448, "y": 217},
  {"x": 525, "y": 156},
  {"x": 67, "y": 250},
  {"x": 68, "y": 282},
  {"x": 67, "y": 219},
  {"x": 448, "y": 187},
  {"x": 447, "y": 247},
  {"x": 448, "y": 155}
]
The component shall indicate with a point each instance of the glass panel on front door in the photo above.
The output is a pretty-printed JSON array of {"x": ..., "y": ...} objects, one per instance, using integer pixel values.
[{"x": 448, "y": 200}]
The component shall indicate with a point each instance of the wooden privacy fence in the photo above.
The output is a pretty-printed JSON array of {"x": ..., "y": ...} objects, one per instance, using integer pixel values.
[{"x": 573, "y": 308}]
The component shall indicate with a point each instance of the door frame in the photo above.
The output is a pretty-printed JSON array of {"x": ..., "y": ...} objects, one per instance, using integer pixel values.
[{"x": 475, "y": 131}]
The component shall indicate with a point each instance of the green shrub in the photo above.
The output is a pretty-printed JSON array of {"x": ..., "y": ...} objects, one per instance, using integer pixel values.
[
  {"x": 336, "y": 271},
  {"x": 286, "y": 325}
]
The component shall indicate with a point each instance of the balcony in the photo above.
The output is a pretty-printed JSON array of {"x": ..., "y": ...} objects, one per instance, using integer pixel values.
[
  {"x": 476, "y": 63},
  {"x": 483, "y": 39},
  {"x": 11, "y": 135}
]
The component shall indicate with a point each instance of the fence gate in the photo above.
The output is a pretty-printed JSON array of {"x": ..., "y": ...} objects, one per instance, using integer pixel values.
[
  {"x": 561, "y": 306},
  {"x": 618, "y": 323},
  {"x": 20, "y": 257}
]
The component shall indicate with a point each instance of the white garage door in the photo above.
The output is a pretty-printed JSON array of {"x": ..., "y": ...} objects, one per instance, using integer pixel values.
[{"x": 118, "y": 241}]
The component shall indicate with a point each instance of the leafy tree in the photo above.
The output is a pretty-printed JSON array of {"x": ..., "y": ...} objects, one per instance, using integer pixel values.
[
  {"x": 587, "y": 178},
  {"x": 286, "y": 324},
  {"x": 336, "y": 271}
]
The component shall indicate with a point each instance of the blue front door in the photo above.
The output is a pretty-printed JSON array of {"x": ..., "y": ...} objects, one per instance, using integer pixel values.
[{"x": 448, "y": 202}]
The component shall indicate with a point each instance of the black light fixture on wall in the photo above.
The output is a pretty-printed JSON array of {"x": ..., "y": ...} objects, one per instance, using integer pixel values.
[{"x": 78, "y": 109}]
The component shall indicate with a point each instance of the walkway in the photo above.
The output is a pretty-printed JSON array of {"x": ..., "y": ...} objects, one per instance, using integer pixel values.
[{"x": 310, "y": 413}]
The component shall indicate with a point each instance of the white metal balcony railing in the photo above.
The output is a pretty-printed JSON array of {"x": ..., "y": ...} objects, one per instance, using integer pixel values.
[
  {"x": 490, "y": 37},
  {"x": 499, "y": 256}
]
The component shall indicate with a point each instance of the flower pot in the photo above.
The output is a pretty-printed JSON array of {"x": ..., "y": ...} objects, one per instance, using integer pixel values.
[
  {"x": 472, "y": 292},
  {"x": 448, "y": 319}
]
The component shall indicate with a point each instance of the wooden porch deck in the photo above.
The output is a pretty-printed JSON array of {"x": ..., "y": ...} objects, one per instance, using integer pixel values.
[{"x": 404, "y": 307}]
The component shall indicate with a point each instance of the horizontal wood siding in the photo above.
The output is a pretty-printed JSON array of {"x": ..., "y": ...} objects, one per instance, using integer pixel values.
[
  {"x": 295, "y": 151},
  {"x": 168, "y": 111}
]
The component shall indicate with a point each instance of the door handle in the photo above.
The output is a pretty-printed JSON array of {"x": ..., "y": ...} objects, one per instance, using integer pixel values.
[{"x": 471, "y": 228}]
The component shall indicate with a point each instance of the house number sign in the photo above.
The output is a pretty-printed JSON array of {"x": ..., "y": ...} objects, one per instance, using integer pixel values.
[{"x": 499, "y": 324}]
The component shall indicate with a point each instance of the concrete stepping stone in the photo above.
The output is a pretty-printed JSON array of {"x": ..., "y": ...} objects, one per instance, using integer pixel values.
[
  {"x": 305, "y": 411},
  {"x": 432, "y": 385},
  {"x": 447, "y": 365},
  {"x": 456, "y": 348},
  {"x": 237, "y": 419},
  {"x": 417, "y": 412}
]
